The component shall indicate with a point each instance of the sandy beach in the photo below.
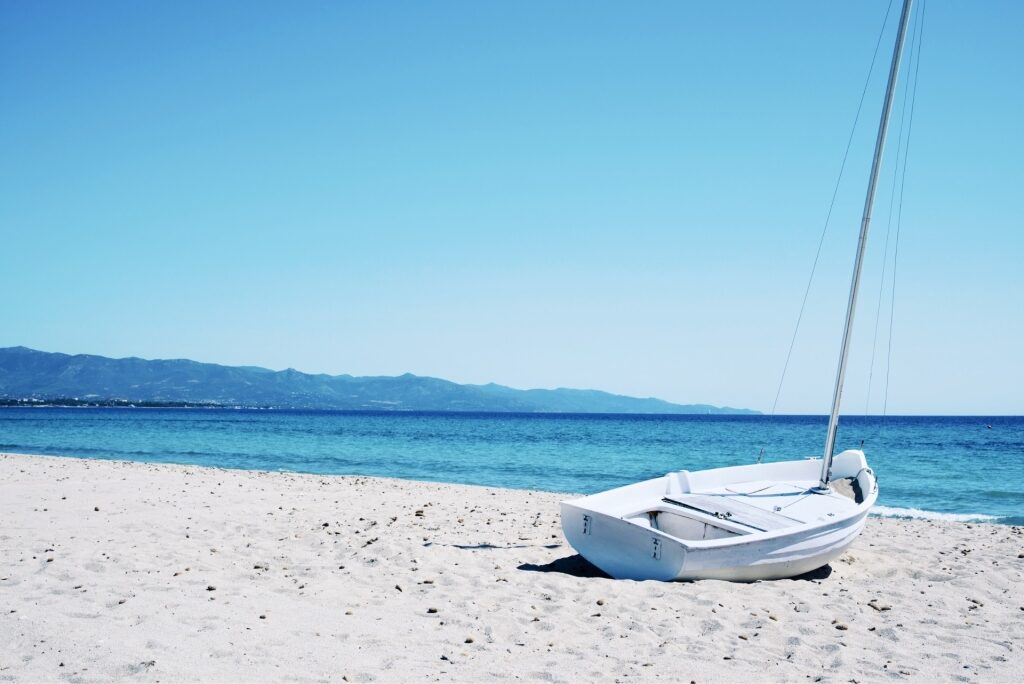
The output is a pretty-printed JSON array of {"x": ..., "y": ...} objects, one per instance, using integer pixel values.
[{"x": 128, "y": 571}]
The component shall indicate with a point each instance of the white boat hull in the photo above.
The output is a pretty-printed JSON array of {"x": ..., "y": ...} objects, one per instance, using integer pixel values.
[{"x": 709, "y": 526}]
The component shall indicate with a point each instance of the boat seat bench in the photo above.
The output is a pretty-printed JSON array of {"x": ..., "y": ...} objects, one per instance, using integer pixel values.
[{"x": 727, "y": 508}]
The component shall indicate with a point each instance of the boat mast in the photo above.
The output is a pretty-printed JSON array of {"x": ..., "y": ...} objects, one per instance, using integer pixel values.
[{"x": 883, "y": 126}]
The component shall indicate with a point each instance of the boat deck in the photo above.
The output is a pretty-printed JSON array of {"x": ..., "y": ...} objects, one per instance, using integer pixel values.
[{"x": 766, "y": 505}]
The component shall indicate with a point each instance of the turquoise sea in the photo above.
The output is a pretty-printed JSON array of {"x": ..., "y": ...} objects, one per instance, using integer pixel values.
[{"x": 958, "y": 468}]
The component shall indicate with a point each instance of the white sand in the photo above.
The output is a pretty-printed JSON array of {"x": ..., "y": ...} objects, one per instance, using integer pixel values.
[{"x": 187, "y": 573}]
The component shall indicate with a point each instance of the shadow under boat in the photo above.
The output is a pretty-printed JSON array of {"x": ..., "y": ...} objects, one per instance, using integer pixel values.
[
  {"x": 578, "y": 566},
  {"x": 574, "y": 565}
]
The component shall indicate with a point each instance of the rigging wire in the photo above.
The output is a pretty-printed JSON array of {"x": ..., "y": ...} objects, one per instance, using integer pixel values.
[
  {"x": 828, "y": 216},
  {"x": 899, "y": 210},
  {"x": 888, "y": 224}
]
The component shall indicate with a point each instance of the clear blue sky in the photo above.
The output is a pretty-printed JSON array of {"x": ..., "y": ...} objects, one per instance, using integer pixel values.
[{"x": 612, "y": 195}]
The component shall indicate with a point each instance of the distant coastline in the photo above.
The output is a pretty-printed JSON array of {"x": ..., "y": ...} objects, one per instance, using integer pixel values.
[
  {"x": 71, "y": 402},
  {"x": 29, "y": 377},
  {"x": 66, "y": 402}
]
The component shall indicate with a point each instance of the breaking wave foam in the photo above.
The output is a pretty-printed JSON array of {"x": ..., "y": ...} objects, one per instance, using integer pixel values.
[{"x": 917, "y": 513}]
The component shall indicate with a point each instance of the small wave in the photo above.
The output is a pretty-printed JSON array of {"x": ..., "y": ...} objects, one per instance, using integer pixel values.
[{"x": 917, "y": 513}]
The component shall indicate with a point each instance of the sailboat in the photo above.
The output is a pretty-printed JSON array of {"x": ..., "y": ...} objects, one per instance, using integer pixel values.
[{"x": 750, "y": 522}]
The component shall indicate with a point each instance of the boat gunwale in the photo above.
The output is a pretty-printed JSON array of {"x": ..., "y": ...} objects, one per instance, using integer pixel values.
[{"x": 861, "y": 510}]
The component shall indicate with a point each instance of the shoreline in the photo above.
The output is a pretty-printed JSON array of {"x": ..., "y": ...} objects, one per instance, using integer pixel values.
[
  {"x": 878, "y": 511},
  {"x": 132, "y": 570}
]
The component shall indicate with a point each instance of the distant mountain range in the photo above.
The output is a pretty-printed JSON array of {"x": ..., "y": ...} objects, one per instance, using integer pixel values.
[{"x": 30, "y": 374}]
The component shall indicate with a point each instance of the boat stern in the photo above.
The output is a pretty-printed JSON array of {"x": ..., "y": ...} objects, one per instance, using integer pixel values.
[{"x": 620, "y": 548}]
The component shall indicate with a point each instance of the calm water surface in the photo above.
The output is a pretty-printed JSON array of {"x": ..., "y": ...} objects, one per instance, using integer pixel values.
[{"x": 965, "y": 468}]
